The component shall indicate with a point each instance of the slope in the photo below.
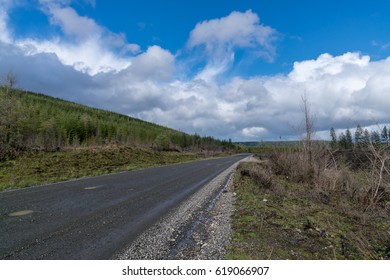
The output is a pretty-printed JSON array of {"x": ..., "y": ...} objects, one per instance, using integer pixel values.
[{"x": 43, "y": 137}]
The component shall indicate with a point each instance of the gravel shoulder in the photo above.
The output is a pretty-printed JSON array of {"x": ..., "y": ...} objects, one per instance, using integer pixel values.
[{"x": 197, "y": 229}]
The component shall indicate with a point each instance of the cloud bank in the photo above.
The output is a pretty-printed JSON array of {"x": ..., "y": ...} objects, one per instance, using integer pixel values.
[{"x": 96, "y": 67}]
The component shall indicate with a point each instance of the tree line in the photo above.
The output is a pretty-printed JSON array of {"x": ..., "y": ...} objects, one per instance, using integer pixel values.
[
  {"x": 362, "y": 138},
  {"x": 36, "y": 122}
]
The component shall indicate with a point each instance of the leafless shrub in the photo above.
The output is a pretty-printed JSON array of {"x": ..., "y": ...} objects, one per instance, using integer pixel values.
[
  {"x": 332, "y": 177},
  {"x": 309, "y": 131},
  {"x": 261, "y": 175},
  {"x": 10, "y": 81},
  {"x": 329, "y": 180},
  {"x": 293, "y": 165},
  {"x": 299, "y": 165},
  {"x": 378, "y": 177}
]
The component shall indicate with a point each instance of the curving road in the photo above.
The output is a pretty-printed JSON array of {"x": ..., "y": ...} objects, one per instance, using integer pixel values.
[{"x": 93, "y": 218}]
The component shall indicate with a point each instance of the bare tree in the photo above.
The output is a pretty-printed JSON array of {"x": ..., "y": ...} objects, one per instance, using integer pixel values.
[
  {"x": 11, "y": 81},
  {"x": 378, "y": 178},
  {"x": 308, "y": 128}
]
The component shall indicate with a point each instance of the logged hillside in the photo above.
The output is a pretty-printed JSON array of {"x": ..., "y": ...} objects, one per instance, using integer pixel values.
[{"x": 36, "y": 122}]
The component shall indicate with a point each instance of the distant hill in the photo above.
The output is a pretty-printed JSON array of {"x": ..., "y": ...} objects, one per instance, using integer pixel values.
[
  {"x": 32, "y": 121},
  {"x": 268, "y": 143},
  {"x": 274, "y": 143},
  {"x": 248, "y": 144}
]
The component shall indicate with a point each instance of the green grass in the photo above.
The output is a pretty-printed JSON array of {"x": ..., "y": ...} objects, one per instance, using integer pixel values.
[
  {"x": 287, "y": 221},
  {"x": 35, "y": 169}
]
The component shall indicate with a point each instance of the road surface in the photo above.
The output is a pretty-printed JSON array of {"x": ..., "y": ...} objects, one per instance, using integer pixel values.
[{"x": 93, "y": 218}]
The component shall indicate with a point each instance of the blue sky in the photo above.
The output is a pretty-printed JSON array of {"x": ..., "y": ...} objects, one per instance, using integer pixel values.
[{"x": 227, "y": 68}]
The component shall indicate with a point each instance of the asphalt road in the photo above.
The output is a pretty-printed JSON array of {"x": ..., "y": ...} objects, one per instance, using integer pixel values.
[{"x": 93, "y": 218}]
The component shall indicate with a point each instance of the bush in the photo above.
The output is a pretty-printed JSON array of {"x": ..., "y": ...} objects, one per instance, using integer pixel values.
[
  {"x": 292, "y": 165},
  {"x": 261, "y": 175}
]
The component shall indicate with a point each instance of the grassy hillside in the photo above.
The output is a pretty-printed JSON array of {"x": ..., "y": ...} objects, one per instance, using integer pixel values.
[
  {"x": 45, "y": 139},
  {"x": 36, "y": 122}
]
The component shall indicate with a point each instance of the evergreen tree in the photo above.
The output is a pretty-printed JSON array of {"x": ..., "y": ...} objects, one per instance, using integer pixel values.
[
  {"x": 375, "y": 138},
  {"x": 359, "y": 133},
  {"x": 342, "y": 141},
  {"x": 385, "y": 135},
  {"x": 366, "y": 138},
  {"x": 348, "y": 139}
]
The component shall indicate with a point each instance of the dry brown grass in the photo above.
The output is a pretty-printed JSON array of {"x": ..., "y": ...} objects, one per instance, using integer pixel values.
[
  {"x": 361, "y": 179},
  {"x": 260, "y": 173}
]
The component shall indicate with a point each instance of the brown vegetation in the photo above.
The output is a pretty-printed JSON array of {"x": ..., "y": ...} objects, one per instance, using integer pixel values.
[
  {"x": 287, "y": 209},
  {"x": 360, "y": 177}
]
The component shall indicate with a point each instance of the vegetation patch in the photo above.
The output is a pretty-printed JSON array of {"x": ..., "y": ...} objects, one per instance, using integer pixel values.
[{"x": 279, "y": 217}]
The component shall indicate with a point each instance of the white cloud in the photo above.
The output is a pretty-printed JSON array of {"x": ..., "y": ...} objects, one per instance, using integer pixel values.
[
  {"x": 214, "y": 69},
  {"x": 155, "y": 63},
  {"x": 5, "y": 5},
  {"x": 72, "y": 24},
  {"x": 4, "y": 33},
  {"x": 83, "y": 44},
  {"x": 237, "y": 30},
  {"x": 89, "y": 56},
  {"x": 130, "y": 48},
  {"x": 254, "y": 132},
  {"x": 327, "y": 65},
  {"x": 219, "y": 39}
]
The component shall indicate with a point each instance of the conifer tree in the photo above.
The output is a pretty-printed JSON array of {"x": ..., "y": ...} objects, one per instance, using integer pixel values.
[
  {"x": 366, "y": 138},
  {"x": 375, "y": 138},
  {"x": 359, "y": 136},
  {"x": 342, "y": 141},
  {"x": 385, "y": 135}
]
